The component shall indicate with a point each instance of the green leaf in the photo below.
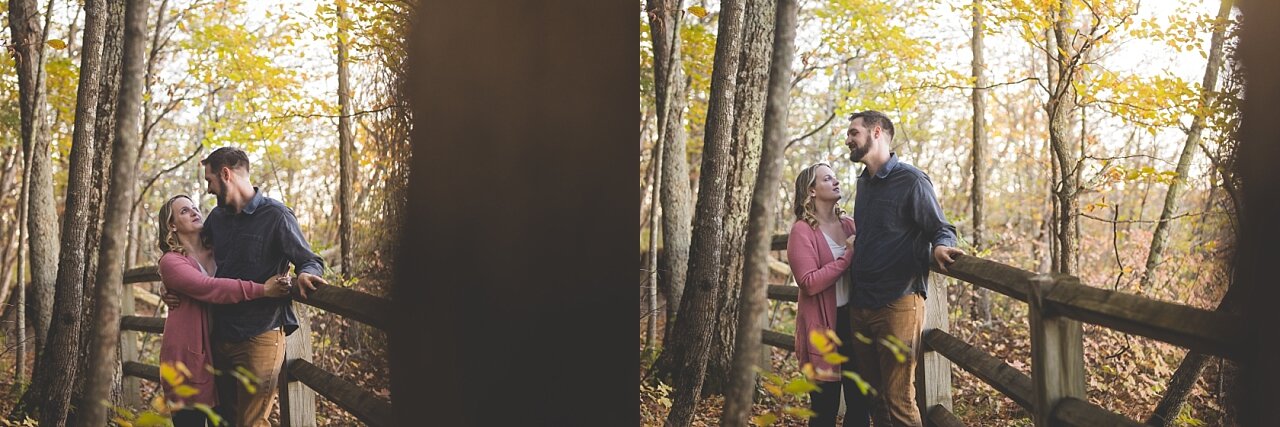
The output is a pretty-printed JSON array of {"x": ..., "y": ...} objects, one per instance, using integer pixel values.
[
  {"x": 208, "y": 412},
  {"x": 185, "y": 391},
  {"x": 799, "y": 412},
  {"x": 834, "y": 358},
  {"x": 863, "y": 386},
  {"x": 765, "y": 419},
  {"x": 800, "y": 387},
  {"x": 152, "y": 419}
]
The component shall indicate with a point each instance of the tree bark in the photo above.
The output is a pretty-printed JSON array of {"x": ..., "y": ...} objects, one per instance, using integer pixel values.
[
  {"x": 54, "y": 382},
  {"x": 750, "y": 97},
  {"x": 746, "y": 355},
  {"x": 652, "y": 267},
  {"x": 106, "y": 331},
  {"x": 696, "y": 321},
  {"x": 675, "y": 194},
  {"x": 1060, "y": 104},
  {"x": 1210, "y": 83},
  {"x": 103, "y": 130},
  {"x": 983, "y": 305},
  {"x": 28, "y": 41},
  {"x": 346, "y": 147}
]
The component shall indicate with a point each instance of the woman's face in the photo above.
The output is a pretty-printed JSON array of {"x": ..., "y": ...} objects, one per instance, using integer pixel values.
[
  {"x": 825, "y": 186},
  {"x": 186, "y": 216}
]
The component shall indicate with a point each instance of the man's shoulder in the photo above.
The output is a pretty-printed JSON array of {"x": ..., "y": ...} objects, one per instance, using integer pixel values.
[
  {"x": 272, "y": 207},
  {"x": 911, "y": 173}
]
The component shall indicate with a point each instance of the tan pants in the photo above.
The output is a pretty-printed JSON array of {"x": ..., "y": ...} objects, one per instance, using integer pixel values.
[
  {"x": 876, "y": 362},
  {"x": 261, "y": 355}
]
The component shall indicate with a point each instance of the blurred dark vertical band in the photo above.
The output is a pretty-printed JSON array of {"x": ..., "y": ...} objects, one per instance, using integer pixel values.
[
  {"x": 515, "y": 300},
  {"x": 1258, "y": 388}
]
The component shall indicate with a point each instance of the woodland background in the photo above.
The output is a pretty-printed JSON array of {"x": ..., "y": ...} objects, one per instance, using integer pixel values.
[
  {"x": 1092, "y": 137},
  {"x": 262, "y": 76}
]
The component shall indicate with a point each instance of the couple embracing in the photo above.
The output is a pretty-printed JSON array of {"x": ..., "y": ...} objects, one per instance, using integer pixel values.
[
  {"x": 228, "y": 287},
  {"x": 866, "y": 276}
]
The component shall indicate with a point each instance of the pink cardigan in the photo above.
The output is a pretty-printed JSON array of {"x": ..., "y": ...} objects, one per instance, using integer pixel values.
[
  {"x": 186, "y": 330},
  {"x": 816, "y": 271}
]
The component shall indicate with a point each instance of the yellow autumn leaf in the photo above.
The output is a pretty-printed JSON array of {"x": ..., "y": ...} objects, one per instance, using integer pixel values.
[
  {"x": 169, "y": 374},
  {"x": 56, "y": 44},
  {"x": 799, "y": 387},
  {"x": 763, "y": 420},
  {"x": 799, "y": 412},
  {"x": 698, "y": 11},
  {"x": 834, "y": 358},
  {"x": 185, "y": 391},
  {"x": 808, "y": 371},
  {"x": 820, "y": 342}
]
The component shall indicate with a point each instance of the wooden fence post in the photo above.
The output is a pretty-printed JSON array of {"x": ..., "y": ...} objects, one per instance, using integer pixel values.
[
  {"x": 1057, "y": 352},
  {"x": 933, "y": 371},
  {"x": 297, "y": 401},
  {"x": 130, "y": 387}
]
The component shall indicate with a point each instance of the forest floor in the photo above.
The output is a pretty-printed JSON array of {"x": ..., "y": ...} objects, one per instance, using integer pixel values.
[{"x": 1126, "y": 374}]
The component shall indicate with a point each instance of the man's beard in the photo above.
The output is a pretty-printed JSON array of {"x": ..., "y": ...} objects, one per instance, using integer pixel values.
[
  {"x": 856, "y": 153},
  {"x": 222, "y": 200}
]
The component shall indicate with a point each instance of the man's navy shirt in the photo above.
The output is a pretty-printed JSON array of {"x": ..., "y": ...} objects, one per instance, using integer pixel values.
[
  {"x": 255, "y": 244},
  {"x": 899, "y": 222}
]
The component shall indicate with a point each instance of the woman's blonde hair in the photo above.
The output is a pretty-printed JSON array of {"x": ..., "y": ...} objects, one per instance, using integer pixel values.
[
  {"x": 167, "y": 239},
  {"x": 803, "y": 206}
]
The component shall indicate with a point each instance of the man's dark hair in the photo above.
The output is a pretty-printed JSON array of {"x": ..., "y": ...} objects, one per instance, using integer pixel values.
[
  {"x": 228, "y": 157},
  {"x": 873, "y": 118}
]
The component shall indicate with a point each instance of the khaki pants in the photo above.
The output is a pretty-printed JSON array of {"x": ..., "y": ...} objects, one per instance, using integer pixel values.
[
  {"x": 262, "y": 355},
  {"x": 876, "y": 362}
]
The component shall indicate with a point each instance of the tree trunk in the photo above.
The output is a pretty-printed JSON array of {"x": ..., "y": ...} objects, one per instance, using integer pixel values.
[
  {"x": 652, "y": 264},
  {"x": 1193, "y": 363},
  {"x": 19, "y": 373},
  {"x": 346, "y": 147},
  {"x": 106, "y": 330},
  {"x": 676, "y": 196},
  {"x": 696, "y": 321},
  {"x": 1060, "y": 104},
  {"x": 28, "y": 42},
  {"x": 983, "y": 305},
  {"x": 108, "y": 91},
  {"x": 54, "y": 383},
  {"x": 747, "y": 346},
  {"x": 748, "y": 127},
  {"x": 1210, "y": 83}
]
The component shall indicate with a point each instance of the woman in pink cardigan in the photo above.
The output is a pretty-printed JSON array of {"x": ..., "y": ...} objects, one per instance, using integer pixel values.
[
  {"x": 187, "y": 268},
  {"x": 819, "y": 249}
]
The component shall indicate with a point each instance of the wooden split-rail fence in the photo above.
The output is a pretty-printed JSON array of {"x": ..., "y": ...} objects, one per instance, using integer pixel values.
[
  {"x": 1054, "y": 393},
  {"x": 299, "y": 379}
]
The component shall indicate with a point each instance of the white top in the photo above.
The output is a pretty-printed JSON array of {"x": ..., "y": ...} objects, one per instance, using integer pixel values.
[{"x": 842, "y": 285}]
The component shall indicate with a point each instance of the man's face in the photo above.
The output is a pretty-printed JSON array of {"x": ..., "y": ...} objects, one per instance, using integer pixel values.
[
  {"x": 858, "y": 138},
  {"x": 217, "y": 187}
]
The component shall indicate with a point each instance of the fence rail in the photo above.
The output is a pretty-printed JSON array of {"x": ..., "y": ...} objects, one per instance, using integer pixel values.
[
  {"x": 1054, "y": 393},
  {"x": 297, "y": 403}
]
